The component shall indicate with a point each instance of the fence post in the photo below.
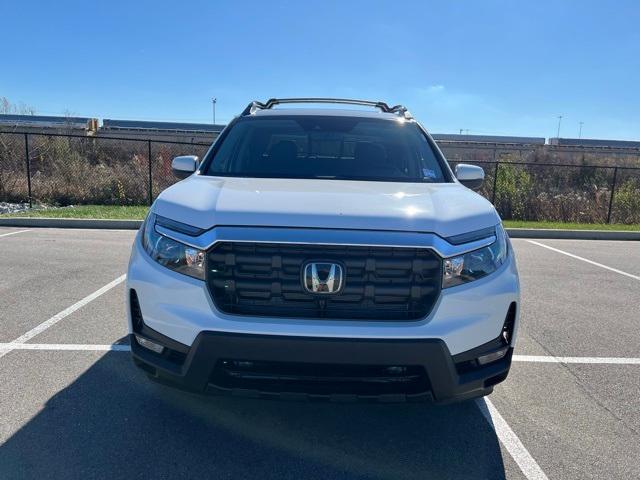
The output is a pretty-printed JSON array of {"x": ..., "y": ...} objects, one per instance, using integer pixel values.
[
  {"x": 28, "y": 161},
  {"x": 495, "y": 183},
  {"x": 150, "y": 175},
  {"x": 613, "y": 188}
]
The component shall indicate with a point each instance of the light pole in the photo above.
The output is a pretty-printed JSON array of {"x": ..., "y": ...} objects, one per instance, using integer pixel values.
[
  {"x": 214, "y": 100},
  {"x": 580, "y": 131},
  {"x": 559, "y": 122}
]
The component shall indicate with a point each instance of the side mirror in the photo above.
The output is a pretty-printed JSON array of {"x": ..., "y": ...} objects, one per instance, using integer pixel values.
[
  {"x": 471, "y": 176},
  {"x": 184, "y": 165}
]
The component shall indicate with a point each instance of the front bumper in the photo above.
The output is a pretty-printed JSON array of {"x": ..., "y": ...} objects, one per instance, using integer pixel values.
[
  {"x": 199, "y": 368},
  {"x": 177, "y": 311}
]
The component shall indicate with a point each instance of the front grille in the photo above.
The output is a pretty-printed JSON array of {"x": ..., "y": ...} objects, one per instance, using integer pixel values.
[
  {"x": 381, "y": 283},
  {"x": 320, "y": 379}
]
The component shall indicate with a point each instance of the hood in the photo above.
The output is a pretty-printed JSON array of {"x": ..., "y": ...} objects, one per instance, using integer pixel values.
[{"x": 445, "y": 209}]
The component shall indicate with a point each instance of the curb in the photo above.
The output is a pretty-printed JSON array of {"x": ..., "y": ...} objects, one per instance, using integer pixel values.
[
  {"x": 93, "y": 223},
  {"x": 573, "y": 234}
]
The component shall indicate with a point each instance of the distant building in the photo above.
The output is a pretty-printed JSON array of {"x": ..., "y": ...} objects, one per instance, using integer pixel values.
[
  {"x": 452, "y": 137},
  {"x": 592, "y": 142},
  {"x": 454, "y": 145},
  {"x": 162, "y": 131},
  {"x": 47, "y": 124}
]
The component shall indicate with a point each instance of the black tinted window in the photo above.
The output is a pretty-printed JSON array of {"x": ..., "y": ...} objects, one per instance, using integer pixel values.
[{"x": 327, "y": 147}]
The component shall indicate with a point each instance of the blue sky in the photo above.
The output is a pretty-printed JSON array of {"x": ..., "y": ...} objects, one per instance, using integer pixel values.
[{"x": 490, "y": 67}]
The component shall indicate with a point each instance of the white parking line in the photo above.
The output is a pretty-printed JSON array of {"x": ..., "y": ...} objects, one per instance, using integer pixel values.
[
  {"x": 64, "y": 347},
  {"x": 13, "y": 233},
  {"x": 126, "y": 348},
  {"x": 591, "y": 360},
  {"x": 510, "y": 441},
  {"x": 64, "y": 313},
  {"x": 585, "y": 260}
]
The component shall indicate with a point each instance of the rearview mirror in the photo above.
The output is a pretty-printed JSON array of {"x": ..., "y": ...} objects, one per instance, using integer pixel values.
[
  {"x": 471, "y": 176},
  {"x": 184, "y": 165}
]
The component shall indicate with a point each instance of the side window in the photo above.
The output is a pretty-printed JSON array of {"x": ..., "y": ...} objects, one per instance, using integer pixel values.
[
  {"x": 431, "y": 170},
  {"x": 223, "y": 159}
]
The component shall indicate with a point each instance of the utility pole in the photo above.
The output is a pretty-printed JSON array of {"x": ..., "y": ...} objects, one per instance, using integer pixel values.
[
  {"x": 214, "y": 100},
  {"x": 559, "y": 122},
  {"x": 580, "y": 131}
]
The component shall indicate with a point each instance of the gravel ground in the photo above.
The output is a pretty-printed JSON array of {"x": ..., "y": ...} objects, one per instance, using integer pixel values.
[{"x": 6, "y": 207}]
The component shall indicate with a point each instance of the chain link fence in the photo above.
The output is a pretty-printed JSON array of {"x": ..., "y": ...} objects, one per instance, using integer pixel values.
[
  {"x": 562, "y": 192},
  {"x": 60, "y": 169}
]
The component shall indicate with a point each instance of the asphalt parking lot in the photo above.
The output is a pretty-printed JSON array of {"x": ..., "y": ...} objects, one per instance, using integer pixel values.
[{"x": 70, "y": 409}]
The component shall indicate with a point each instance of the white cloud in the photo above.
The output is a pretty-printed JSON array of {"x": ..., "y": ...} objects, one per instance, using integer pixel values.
[{"x": 434, "y": 89}]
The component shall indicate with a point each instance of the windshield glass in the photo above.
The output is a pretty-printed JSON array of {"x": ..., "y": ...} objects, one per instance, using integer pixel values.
[{"x": 345, "y": 148}]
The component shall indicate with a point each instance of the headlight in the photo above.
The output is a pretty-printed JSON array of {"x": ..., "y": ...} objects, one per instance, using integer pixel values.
[
  {"x": 171, "y": 254},
  {"x": 476, "y": 264}
]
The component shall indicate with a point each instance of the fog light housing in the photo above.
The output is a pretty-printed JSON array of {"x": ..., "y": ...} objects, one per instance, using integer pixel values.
[
  {"x": 509, "y": 324},
  {"x": 149, "y": 345},
  {"x": 493, "y": 356}
]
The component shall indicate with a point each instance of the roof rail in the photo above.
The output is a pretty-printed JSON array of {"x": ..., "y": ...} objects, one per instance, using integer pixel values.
[{"x": 255, "y": 105}]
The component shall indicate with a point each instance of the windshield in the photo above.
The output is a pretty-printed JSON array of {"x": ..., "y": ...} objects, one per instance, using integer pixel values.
[{"x": 326, "y": 147}]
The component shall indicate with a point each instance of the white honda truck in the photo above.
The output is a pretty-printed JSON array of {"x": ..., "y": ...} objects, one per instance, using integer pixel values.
[{"x": 324, "y": 253}]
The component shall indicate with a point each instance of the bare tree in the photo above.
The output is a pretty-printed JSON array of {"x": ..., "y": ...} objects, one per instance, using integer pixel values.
[
  {"x": 21, "y": 108},
  {"x": 5, "y": 105}
]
